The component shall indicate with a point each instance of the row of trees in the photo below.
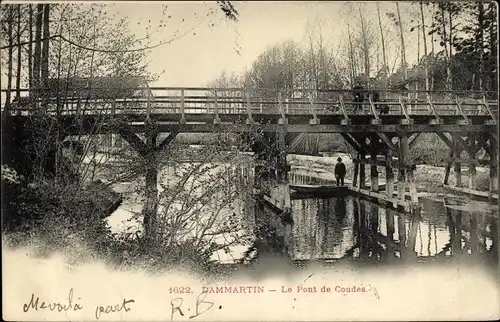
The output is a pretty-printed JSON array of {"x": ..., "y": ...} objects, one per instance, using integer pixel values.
[{"x": 456, "y": 49}]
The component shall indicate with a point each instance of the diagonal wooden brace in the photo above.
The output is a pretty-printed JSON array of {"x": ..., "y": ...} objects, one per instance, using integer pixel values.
[
  {"x": 139, "y": 145},
  {"x": 166, "y": 141},
  {"x": 352, "y": 142},
  {"x": 389, "y": 143}
]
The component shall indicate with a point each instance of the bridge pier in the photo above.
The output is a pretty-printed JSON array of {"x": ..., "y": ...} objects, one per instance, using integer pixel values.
[
  {"x": 281, "y": 164},
  {"x": 406, "y": 165},
  {"x": 458, "y": 165},
  {"x": 381, "y": 144},
  {"x": 149, "y": 151},
  {"x": 356, "y": 171},
  {"x": 374, "y": 172},
  {"x": 493, "y": 167},
  {"x": 282, "y": 169},
  {"x": 362, "y": 171},
  {"x": 401, "y": 183},
  {"x": 389, "y": 175},
  {"x": 151, "y": 206}
]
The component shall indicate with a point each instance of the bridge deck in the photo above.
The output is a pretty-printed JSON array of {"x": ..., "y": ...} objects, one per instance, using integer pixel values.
[{"x": 206, "y": 110}]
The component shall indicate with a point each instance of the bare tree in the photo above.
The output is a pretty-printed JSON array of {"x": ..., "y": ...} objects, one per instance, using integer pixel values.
[
  {"x": 404, "y": 68},
  {"x": 366, "y": 44},
  {"x": 385, "y": 67},
  {"x": 424, "y": 38}
]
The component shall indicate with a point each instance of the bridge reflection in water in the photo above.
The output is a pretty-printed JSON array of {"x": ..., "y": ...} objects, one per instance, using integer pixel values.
[{"x": 350, "y": 229}]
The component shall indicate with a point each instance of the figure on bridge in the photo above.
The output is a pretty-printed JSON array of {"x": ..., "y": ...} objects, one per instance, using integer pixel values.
[
  {"x": 340, "y": 172},
  {"x": 381, "y": 108},
  {"x": 358, "y": 93}
]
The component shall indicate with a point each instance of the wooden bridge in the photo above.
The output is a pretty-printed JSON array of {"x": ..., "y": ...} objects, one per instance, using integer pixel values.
[{"x": 465, "y": 121}]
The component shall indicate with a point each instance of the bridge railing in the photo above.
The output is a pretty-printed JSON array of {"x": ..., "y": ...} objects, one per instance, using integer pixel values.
[{"x": 175, "y": 100}]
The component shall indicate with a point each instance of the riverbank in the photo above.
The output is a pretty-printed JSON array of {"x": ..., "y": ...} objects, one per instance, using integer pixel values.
[{"x": 428, "y": 179}]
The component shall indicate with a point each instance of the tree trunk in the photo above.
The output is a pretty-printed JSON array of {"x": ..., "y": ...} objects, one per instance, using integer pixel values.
[
  {"x": 351, "y": 57},
  {"x": 38, "y": 49},
  {"x": 403, "y": 50},
  {"x": 448, "y": 70},
  {"x": 30, "y": 49},
  {"x": 424, "y": 38},
  {"x": 366, "y": 53},
  {"x": 433, "y": 62},
  {"x": 447, "y": 57},
  {"x": 384, "y": 56},
  {"x": 480, "y": 42},
  {"x": 45, "y": 48},
  {"x": 313, "y": 63},
  {"x": 493, "y": 47},
  {"x": 19, "y": 51},
  {"x": 9, "y": 62},
  {"x": 418, "y": 61}
]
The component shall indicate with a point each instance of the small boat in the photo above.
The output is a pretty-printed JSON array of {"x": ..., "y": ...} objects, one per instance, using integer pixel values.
[
  {"x": 310, "y": 191},
  {"x": 317, "y": 188}
]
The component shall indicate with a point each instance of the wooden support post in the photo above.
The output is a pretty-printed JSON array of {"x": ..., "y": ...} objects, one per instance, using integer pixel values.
[
  {"x": 374, "y": 218},
  {"x": 472, "y": 176},
  {"x": 448, "y": 164},
  {"x": 389, "y": 215},
  {"x": 473, "y": 234},
  {"x": 151, "y": 204},
  {"x": 315, "y": 119},
  {"x": 113, "y": 112},
  {"x": 283, "y": 171},
  {"x": 405, "y": 155},
  {"x": 412, "y": 238},
  {"x": 374, "y": 172},
  {"x": 362, "y": 172},
  {"x": 183, "y": 116},
  {"x": 282, "y": 162},
  {"x": 216, "y": 108},
  {"x": 356, "y": 172},
  {"x": 282, "y": 120},
  {"x": 401, "y": 183},
  {"x": 457, "y": 166},
  {"x": 389, "y": 176},
  {"x": 148, "y": 104}
]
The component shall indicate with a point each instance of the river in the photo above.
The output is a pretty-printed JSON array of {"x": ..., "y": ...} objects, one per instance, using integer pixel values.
[
  {"x": 347, "y": 228},
  {"x": 355, "y": 230}
]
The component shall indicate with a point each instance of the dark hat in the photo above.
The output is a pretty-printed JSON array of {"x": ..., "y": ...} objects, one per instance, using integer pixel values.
[{"x": 339, "y": 159}]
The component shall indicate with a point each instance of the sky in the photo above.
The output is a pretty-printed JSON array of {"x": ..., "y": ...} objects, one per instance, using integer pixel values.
[
  {"x": 200, "y": 56},
  {"x": 211, "y": 43}
]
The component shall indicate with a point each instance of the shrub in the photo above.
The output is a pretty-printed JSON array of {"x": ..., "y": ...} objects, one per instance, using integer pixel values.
[{"x": 430, "y": 149}]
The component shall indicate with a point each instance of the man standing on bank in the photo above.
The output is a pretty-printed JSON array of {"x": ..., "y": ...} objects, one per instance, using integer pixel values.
[{"x": 340, "y": 171}]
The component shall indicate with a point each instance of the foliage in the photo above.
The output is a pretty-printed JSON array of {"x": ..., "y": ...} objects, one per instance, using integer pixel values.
[
  {"x": 429, "y": 149},
  {"x": 92, "y": 48}
]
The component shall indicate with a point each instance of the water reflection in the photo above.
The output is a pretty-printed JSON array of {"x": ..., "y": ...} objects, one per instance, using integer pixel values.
[{"x": 346, "y": 228}]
